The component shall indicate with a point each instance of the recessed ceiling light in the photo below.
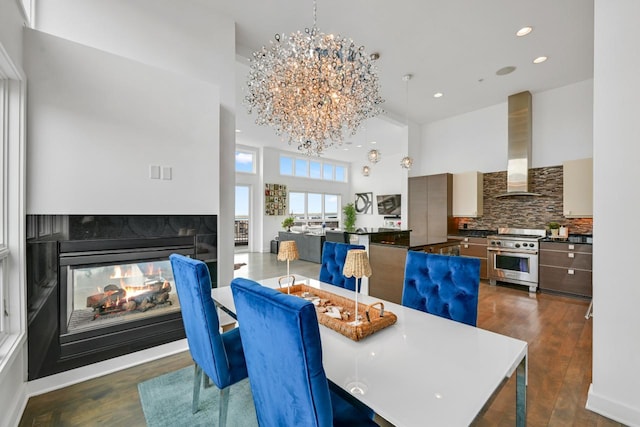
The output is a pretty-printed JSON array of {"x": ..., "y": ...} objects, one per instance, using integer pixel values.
[
  {"x": 540, "y": 59},
  {"x": 359, "y": 146},
  {"x": 505, "y": 70},
  {"x": 438, "y": 95},
  {"x": 373, "y": 142},
  {"x": 345, "y": 149},
  {"x": 523, "y": 31},
  {"x": 238, "y": 131}
]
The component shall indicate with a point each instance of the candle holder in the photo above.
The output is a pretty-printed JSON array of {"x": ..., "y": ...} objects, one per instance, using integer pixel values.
[
  {"x": 288, "y": 251},
  {"x": 357, "y": 265}
]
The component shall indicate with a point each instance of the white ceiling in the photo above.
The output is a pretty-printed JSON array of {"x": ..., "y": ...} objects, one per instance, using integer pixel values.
[{"x": 450, "y": 46}]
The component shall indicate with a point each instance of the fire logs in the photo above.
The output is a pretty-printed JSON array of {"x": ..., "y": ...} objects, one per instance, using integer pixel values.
[{"x": 114, "y": 299}]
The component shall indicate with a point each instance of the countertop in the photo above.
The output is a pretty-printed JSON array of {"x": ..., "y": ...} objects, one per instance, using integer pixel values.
[
  {"x": 463, "y": 232},
  {"x": 371, "y": 230},
  {"x": 585, "y": 239}
]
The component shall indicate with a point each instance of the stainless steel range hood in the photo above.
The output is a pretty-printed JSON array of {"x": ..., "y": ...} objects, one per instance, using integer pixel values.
[{"x": 519, "y": 155}]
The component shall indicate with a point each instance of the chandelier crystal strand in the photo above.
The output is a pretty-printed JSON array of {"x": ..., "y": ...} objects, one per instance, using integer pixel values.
[{"x": 313, "y": 87}]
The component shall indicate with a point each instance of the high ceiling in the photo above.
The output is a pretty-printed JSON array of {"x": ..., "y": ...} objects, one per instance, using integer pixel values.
[{"x": 450, "y": 46}]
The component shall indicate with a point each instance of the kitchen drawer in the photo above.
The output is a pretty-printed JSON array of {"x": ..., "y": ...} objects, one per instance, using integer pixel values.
[
  {"x": 561, "y": 280},
  {"x": 475, "y": 240},
  {"x": 577, "y": 260},
  {"x": 564, "y": 246},
  {"x": 469, "y": 249}
]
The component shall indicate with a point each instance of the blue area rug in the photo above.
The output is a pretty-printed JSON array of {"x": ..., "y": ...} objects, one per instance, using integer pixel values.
[{"x": 166, "y": 401}]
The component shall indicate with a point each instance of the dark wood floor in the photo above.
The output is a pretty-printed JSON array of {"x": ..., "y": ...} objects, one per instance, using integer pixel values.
[{"x": 559, "y": 340}]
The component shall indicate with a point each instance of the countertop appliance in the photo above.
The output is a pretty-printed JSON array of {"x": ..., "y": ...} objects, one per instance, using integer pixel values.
[{"x": 512, "y": 256}]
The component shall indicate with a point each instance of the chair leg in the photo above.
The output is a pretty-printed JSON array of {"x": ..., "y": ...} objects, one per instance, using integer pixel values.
[
  {"x": 197, "y": 380},
  {"x": 224, "y": 405}
]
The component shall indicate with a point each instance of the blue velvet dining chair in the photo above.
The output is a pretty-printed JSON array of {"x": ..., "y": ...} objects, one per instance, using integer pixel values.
[
  {"x": 333, "y": 256},
  {"x": 443, "y": 285},
  {"x": 220, "y": 356},
  {"x": 281, "y": 340}
]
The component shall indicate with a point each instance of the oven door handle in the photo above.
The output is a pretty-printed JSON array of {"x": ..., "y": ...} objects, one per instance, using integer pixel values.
[{"x": 511, "y": 251}]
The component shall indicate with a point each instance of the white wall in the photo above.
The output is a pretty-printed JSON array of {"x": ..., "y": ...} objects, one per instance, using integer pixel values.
[
  {"x": 616, "y": 288},
  {"x": 562, "y": 130},
  {"x": 166, "y": 34},
  {"x": 97, "y": 121}
]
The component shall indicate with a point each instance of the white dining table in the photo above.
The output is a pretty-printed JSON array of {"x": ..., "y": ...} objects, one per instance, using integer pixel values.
[{"x": 422, "y": 370}]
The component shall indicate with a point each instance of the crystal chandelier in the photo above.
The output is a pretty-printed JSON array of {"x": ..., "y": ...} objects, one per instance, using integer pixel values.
[
  {"x": 366, "y": 170},
  {"x": 313, "y": 87},
  {"x": 407, "y": 161},
  {"x": 374, "y": 156}
]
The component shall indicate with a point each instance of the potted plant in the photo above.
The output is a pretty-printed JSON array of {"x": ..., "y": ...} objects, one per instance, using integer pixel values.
[
  {"x": 349, "y": 211},
  {"x": 288, "y": 222},
  {"x": 554, "y": 227}
]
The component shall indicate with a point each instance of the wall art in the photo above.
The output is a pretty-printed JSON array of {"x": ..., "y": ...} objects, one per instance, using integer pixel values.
[
  {"x": 275, "y": 199},
  {"x": 364, "y": 203}
]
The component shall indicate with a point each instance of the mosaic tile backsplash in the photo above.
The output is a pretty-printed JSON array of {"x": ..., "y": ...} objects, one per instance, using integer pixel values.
[{"x": 525, "y": 211}]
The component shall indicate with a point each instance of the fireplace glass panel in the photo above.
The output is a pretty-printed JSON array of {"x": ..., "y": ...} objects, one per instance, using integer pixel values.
[{"x": 103, "y": 295}]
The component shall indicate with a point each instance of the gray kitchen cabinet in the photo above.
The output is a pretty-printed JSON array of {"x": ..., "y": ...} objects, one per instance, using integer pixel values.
[
  {"x": 566, "y": 267},
  {"x": 476, "y": 247},
  {"x": 430, "y": 207}
]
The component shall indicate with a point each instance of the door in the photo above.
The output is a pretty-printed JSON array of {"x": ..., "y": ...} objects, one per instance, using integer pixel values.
[{"x": 242, "y": 216}]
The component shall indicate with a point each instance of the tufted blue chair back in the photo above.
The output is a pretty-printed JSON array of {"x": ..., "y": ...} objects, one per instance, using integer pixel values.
[
  {"x": 333, "y": 256},
  {"x": 219, "y": 355},
  {"x": 281, "y": 341},
  {"x": 446, "y": 286}
]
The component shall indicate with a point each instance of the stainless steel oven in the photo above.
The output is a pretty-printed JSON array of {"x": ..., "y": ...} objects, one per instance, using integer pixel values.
[{"x": 512, "y": 257}]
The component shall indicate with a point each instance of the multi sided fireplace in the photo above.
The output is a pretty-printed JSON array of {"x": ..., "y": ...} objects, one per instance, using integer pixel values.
[
  {"x": 118, "y": 291},
  {"x": 110, "y": 295}
]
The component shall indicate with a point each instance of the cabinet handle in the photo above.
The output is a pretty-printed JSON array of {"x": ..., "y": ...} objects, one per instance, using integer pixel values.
[
  {"x": 571, "y": 272},
  {"x": 571, "y": 255},
  {"x": 571, "y": 247}
]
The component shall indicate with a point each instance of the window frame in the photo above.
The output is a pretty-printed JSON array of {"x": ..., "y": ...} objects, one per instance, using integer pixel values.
[
  {"x": 12, "y": 212},
  {"x": 295, "y": 173},
  {"x": 304, "y": 217}
]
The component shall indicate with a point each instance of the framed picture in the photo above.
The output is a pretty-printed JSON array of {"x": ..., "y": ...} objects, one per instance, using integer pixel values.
[
  {"x": 275, "y": 199},
  {"x": 364, "y": 203}
]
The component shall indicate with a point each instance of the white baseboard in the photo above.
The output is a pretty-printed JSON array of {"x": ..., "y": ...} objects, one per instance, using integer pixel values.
[
  {"x": 74, "y": 376},
  {"x": 616, "y": 411}
]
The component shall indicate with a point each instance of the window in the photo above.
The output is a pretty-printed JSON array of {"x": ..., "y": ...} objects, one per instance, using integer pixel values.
[
  {"x": 4, "y": 250},
  {"x": 12, "y": 300},
  {"x": 313, "y": 208},
  {"x": 286, "y": 165},
  {"x": 305, "y": 168},
  {"x": 245, "y": 161},
  {"x": 302, "y": 167},
  {"x": 327, "y": 172},
  {"x": 331, "y": 206},
  {"x": 315, "y": 169}
]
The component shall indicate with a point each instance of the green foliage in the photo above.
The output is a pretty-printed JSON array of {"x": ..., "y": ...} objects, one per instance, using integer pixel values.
[
  {"x": 349, "y": 211},
  {"x": 288, "y": 222},
  {"x": 554, "y": 225}
]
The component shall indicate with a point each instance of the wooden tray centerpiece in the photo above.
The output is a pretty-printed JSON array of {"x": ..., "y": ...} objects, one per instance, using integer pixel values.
[{"x": 336, "y": 312}]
